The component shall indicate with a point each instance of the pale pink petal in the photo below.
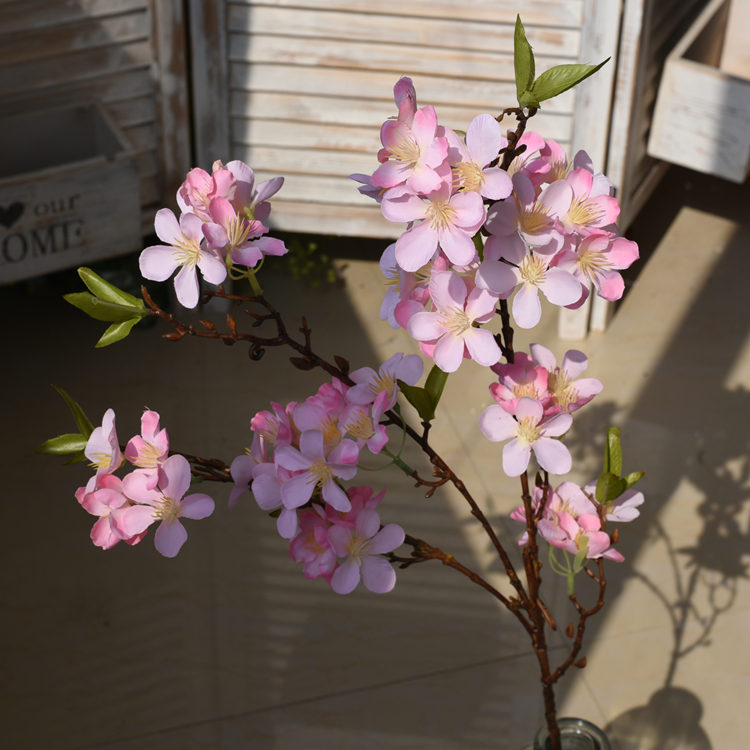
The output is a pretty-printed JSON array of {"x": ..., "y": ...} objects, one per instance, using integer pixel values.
[
  {"x": 527, "y": 308},
  {"x": 297, "y": 490},
  {"x": 574, "y": 363},
  {"x": 387, "y": 539},
  {"x": 346, "y": 577},
  {"x": 213, "y": 268},
  {"x": 496, "y": 184},
  {"x": 426, "y": 326},
  {"x": 186, "y": 286},
  {"x": 484, "y": 138},
  {"x": 336, "y": 497},
  {"x": 516, "y": 457},
  {"x": 557, "y": 425},
  {"x": 482, "y": 346},
  {"x": 169, "y": 538},
  {"x": 378, "y": 575},
  {"x": 449, "y": 352},
  {"x": 134, "y": 520},
  {"x": 197, "y": 506},
  {"x": 457, "y": 244},
  {"x": 157, "y": 262},
  {"x": 552, "y": 455},
  {"x": 174, "y": 476},
  {"x": 167, "y": 227},
  {"x": 496, "y": 424},
  {"x": 416, "y": 246}
]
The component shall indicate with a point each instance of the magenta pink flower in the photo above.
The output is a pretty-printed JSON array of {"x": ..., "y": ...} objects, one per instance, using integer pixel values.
[
  {"x": 184, "y": 251},
  {"x": 451, "y": 325},
  {"x": 200, "y": 188},
  {"x": 103, "y": 497},
  {"x": 522, "y": 378},
  {"x": 359, "y": 551},
  {"x": 526, "y": 433}
]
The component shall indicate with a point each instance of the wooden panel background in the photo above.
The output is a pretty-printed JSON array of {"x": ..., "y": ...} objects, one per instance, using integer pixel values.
[
  {"x": 303, "y": 86},
  {"x": 128, "y": 54}
]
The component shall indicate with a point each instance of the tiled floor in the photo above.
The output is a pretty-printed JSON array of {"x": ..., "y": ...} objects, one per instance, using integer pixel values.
[{"x": 228, "y": 646}]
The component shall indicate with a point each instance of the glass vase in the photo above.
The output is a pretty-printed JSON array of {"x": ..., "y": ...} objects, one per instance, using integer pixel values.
[{"x": 576, "y": 734}]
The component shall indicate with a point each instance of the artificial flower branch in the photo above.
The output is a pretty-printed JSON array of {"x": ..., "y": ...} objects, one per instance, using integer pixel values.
[{"x": 492, "y": 219}]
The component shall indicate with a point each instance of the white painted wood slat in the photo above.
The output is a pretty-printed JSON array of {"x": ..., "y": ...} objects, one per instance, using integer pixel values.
[
  {"x": 357, "y": 55},
  {"x": 448, "y": 33},
  {"x": 554, "y": 13}
]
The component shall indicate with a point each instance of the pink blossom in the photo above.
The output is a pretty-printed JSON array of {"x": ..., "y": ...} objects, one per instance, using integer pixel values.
[
  {"x": 597, "y": 260},
  {"x": 200, "y": 188},
  {"x": 484, "y": 139},
  {"x": 241, "y": 238},
  {"x": 571, "y": 522},
  {"x": 362, "y": 422},
  {"x": 103, "y": 447},
  {"x": 533, "y": 275},
  {"x": 406, "y": 99},
  {"x": 522, "y": 378},
  {"x": 577, "y": 203},
  {"x": 311, "y": 546},
  {"x": 449, "y": 221},
  {"x": 165, "y": 503},
  {"x": 103, "y": 497},
  {"x": 184, "y": 251},
  {"x": 622, "y": 509},
  {"x": 526, "y": 433},
  {"x": 360, "y": 549},
  {"x": 526, "y": 221},
  {"x": 451, "y": 325},
  {"x": 567, "y": 391},
  {"x": 370, "y": 384},
  {"x": 413, "y": 154},
  {"x": 149, "y": 449},
  {"x": 312, "y": 468}
]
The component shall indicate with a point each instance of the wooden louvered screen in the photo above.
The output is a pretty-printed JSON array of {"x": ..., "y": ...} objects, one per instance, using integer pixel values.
[
  {"x": 300, "y": 87},
  {"x": 127, "y": 54}
]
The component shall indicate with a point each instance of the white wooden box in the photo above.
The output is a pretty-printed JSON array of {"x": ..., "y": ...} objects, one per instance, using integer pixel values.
[
  {"x": 702, "y": 116},
  {"x": 69, "y": 191}
]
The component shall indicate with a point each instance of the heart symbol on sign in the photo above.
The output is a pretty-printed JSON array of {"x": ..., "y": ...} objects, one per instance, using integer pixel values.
[{"x": 9, "y": 216}]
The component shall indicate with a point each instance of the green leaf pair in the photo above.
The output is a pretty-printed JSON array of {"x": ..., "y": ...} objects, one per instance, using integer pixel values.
[
  {"x": 425, "y": 400},
  {"x": 611, "y": 484},
  {"x": 71, "y": 443},
  {"x": 532, "y": 91},
  {"x": 106, "y": 302}
]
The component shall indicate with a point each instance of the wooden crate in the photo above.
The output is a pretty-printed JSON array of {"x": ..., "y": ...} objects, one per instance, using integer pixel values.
[
  {"x": 702, "y": 117},
  {"x": 69, "y": 191}
]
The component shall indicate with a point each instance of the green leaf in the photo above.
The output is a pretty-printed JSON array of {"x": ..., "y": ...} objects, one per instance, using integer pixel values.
[
  {"x": 561, "y": 78},
  {"x": 435, "y": 383},
  {"x": 419, "y": 399},
  {"x": 613, "y": 452},
  {"x": 62, "y": 445},
  {"x": 528, "y": 100},
  {"x": 633, "y": 477},
  {"x": 101, "y": 309},
  {"x": 108, "y": 292},
  {"x": 117, "y": 331},
  {"x": 523, "y": 61},
  {"x": 609, "y": 487},
  {"x": 83, "y": 423}
]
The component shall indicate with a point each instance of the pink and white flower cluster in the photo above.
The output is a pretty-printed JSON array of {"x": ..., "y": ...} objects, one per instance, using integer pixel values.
[
  {"x": 155, "y": 490},
  {"x": 477, "y": 233},
  {"x": 535, "y": 398},
  {"x": 572, "y": 519},
  {"x": 300, "y": 455},
  {"x": 222, "y": 224}
]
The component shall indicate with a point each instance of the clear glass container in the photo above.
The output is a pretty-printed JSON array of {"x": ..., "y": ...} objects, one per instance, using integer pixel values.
[{"x": 576, "y": 734}]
